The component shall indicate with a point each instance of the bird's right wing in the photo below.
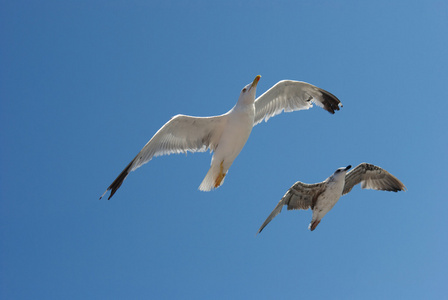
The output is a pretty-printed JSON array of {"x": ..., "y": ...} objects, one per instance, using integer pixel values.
[
  {"x": 372, "y": 177},
  {"x": 180, "y": 134},
  {"x": 289, "y": 95},
  {"x": 299, "y": 196}
]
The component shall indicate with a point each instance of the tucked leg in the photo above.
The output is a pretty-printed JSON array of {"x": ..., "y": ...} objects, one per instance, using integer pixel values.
[
  {"x": 314, "y": 224},
  {"x": 220, "y": 176}
]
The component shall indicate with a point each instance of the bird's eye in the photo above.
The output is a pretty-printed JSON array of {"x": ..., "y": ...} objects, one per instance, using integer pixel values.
[{"x": 244, "y": 90}]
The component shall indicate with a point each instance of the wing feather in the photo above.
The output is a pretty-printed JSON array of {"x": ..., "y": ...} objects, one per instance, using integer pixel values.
[
  {"x": 179, "y": 135},
  {"x": 288, "y": 96},
  {"x": 372, "y": 177},
  {"x": 299, "y": 196}
]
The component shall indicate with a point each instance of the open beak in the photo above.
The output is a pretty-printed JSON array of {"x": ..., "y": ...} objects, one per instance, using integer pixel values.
[
  {"x": 348, "y": 167},
  {"x": 257, "y": 78}
]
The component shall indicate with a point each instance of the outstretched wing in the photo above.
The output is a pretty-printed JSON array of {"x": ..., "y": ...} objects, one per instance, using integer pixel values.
[
  {"x": 288, "y": 95},
  {"x": 372, "y": 177},
  {"x": 299, "y": 196},
  {"x": 179, "y": 135}
]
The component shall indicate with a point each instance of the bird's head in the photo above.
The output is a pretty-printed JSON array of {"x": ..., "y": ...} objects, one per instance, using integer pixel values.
[
  {"x": 247, "y": 94},
  {"x": 341, "y": 172}
]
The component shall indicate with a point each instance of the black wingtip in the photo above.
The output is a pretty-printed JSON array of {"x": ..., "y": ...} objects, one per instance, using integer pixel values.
[
  {"x": 118, "y": 181},
  {"x": 331, "y": 102}
]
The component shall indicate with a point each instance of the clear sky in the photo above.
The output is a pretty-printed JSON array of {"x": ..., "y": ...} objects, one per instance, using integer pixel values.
[{"x": 85, "y": 84}]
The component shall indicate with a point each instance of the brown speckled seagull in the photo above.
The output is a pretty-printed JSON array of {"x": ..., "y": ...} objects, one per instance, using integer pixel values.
[{"x": 321, "y": 197}]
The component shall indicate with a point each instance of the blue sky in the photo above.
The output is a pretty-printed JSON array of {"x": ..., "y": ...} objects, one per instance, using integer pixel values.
[{"x": 85, "y": 84}]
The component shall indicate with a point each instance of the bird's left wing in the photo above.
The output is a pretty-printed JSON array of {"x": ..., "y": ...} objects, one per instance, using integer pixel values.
[
  {"x": 288, "y": 95},
  {"x": 299, "y": 196},
  {"x": 372, "y": 177},
  {"x": 180, "y": 134}
]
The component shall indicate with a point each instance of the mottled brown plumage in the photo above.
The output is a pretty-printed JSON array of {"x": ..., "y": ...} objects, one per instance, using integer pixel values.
[{"x": 321, "y": 197}]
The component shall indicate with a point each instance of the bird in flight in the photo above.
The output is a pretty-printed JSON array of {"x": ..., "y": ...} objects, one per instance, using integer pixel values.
[
  {"x": 226, "y": 134},
  {"x": 322, "y": 196}
]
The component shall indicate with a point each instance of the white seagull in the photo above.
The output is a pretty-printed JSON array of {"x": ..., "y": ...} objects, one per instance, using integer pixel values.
[
  {"x": 226, "y": 134},
  {"x": 322, "y": 196}
]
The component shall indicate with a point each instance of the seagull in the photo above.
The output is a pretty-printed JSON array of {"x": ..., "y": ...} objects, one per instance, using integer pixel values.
[
  {"x": 226, "y": 134},
  {"x": 322, "y": 196}
]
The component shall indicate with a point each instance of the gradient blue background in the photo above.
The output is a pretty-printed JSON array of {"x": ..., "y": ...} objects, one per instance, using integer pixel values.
[{"x": 85, "y": 84}]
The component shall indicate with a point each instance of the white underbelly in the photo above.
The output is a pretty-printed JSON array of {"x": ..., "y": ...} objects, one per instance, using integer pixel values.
[
  {"x": 327, "y": 200},
  {"x": 233, "y": 138}
]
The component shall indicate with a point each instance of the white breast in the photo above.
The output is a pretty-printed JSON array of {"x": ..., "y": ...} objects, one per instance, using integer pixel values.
[
  {"x": 235, "y": 135},
  {"x": 328, "y": 199}
]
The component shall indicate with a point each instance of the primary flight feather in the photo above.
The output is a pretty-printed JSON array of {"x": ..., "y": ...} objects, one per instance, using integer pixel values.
[{"x": 226, "y": 134}]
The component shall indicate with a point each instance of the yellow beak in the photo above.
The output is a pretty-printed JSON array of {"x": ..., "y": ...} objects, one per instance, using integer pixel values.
[{"x": 257, "y": 78}]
